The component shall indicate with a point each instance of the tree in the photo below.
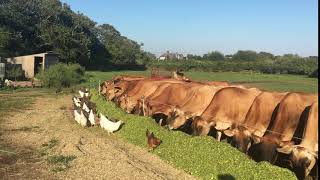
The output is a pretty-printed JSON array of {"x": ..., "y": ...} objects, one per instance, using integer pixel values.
[
  {"x": 193, "y": 57},
  {"x": 122, "y": 49},
  {"x": 266, "y": 55},
  {"x": 245, "y": 55},
  {"x": 214, "y": 56}
]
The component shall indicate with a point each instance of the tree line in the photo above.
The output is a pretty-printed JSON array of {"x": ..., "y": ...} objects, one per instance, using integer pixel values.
[
  {"x": 244, "y": 61},
  {"x": 35, "y": 26}
]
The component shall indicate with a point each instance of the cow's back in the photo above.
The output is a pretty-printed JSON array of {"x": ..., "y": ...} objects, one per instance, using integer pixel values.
[
  {"x": 260, "y": 113},
  {"x": 310, "y": 135},
  {"x": 230, "y": 104},
  {"x": 291, "y": 109},
  {"x": 200, "y": 100}
]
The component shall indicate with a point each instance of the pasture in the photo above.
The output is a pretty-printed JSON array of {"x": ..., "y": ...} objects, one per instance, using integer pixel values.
[
  {"x": 270, "y": 82},
  {"x": 202, "y": 157}
]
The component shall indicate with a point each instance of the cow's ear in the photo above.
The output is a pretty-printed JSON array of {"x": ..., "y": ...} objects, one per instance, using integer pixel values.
[
  {"x": 229, "y": 132},
  {"x": 256, "y": 139}
]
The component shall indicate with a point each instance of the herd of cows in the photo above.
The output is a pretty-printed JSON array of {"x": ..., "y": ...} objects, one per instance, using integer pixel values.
[{"x": 281, "y": 128}]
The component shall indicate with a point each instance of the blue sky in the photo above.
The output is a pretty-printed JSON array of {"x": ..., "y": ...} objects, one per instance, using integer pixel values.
[{"x": 197, "y": 27}]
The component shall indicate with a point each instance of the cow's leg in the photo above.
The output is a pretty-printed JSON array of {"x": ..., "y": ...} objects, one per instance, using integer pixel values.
[
  {"x": 219, "y": 134},
  {"x": 160, "y": 121}
]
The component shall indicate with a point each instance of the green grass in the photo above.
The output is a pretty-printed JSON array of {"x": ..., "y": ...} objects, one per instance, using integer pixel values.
[
  {"x": 270, "y": 82},
  {"x": 203, "y": 157},
  {"x": 60, "y": 162}
]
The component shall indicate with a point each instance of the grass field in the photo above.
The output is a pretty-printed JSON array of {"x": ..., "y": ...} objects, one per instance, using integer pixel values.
[
  {"x": 200, "y": 156},
  {"x": 270, "y": 82},
  {"x": 203, "y": 157}
]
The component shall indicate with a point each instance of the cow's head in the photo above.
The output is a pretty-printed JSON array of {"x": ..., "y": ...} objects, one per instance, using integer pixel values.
[
  {"x": 130, "y": 104},
  {"x": 240, "y": 138},
  {"x": 114, "y": 92},
  {"x": 302, "y": 159},
  {"x": 122, "y": 101},
  {"x": 141, "y": 107},
  {"x": 200, "y": 126},
  {"x": 177, "y": 118},
  {"x": 264, "y": 149},
  {"x": 103, "y": 88}
]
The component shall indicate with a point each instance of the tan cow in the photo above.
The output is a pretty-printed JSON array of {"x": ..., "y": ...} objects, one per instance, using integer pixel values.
[
  {"x": 229, "y": 105},
  {"x": 287, "y": 124},
  {"x": 304, "y": 155},
  {"x": 257, "y": 120},
  {"x": 141, "y": 107},
  {"x": 113, "y": 89},
  {"x": 194, "y": 107},
  {"x": 173, "y": 95},
  {"x": 109, "y": 84},
  {"x": 143, "y": 89}
]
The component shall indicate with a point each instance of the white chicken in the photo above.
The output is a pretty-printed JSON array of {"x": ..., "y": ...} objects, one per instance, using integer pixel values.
[
  {"x": 108, "y": 125},
  {"x": 86, "y": 94},
  {"x": 83, "y": 119},
  {"x": 77, "y": 116},
  {"x": 76, "y": 101},
  {"x": 80, "y": 117},
  {"x": 81, "y": 93},
  {"x": 85, "y": 107},
  {"x": 91, "y": 117}
]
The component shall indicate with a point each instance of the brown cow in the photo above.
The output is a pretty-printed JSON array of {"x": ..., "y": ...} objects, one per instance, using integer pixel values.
[
  {"x": 107, "y": 85},
  {"x": 173, "y": 95},
  {"x": 304, "y": 155},
  {"x": 141, "y": 107},
  {"x": 194, "y": 107},
  {"x": 143, "y": 89},
  {"x": 286, "y": 125},
  {"x": 112, "y": 89},
  {"x": 229, "y": 105},
  {"x": 256, "y": 122},
  {"x": 218, "y": 83}
]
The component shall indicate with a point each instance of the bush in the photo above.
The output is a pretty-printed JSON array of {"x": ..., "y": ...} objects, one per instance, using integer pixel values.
[
  {"x": 14, "y": 72},
  {"x": 299, "y": 66},
  {"x": 314, "y": 74},
  {"x": 62, "y": 75}
]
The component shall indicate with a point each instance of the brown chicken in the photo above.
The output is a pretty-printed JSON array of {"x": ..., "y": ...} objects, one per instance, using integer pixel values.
[{"x": 153, "y": 142}]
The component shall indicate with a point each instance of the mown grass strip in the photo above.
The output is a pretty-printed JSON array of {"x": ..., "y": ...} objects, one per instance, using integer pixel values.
[{"x": 200, "y": 156}]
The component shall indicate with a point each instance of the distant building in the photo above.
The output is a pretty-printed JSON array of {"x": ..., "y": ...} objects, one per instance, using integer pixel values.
[
  {"x": 229, "y": 56},
  {"x": 31, "y": 64},
  {"x": 168, "y": 55},
  {"x": 162, "y": 58}
]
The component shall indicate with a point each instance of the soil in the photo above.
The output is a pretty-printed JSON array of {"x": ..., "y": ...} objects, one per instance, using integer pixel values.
[{"x": 28, "y": 138}]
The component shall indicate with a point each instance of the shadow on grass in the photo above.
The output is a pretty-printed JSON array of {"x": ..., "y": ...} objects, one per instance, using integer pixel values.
[{"x": 225, "y": 177}]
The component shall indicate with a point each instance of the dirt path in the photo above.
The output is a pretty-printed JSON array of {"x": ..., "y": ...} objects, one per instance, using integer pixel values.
[{"x": 36, "y": 138}]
